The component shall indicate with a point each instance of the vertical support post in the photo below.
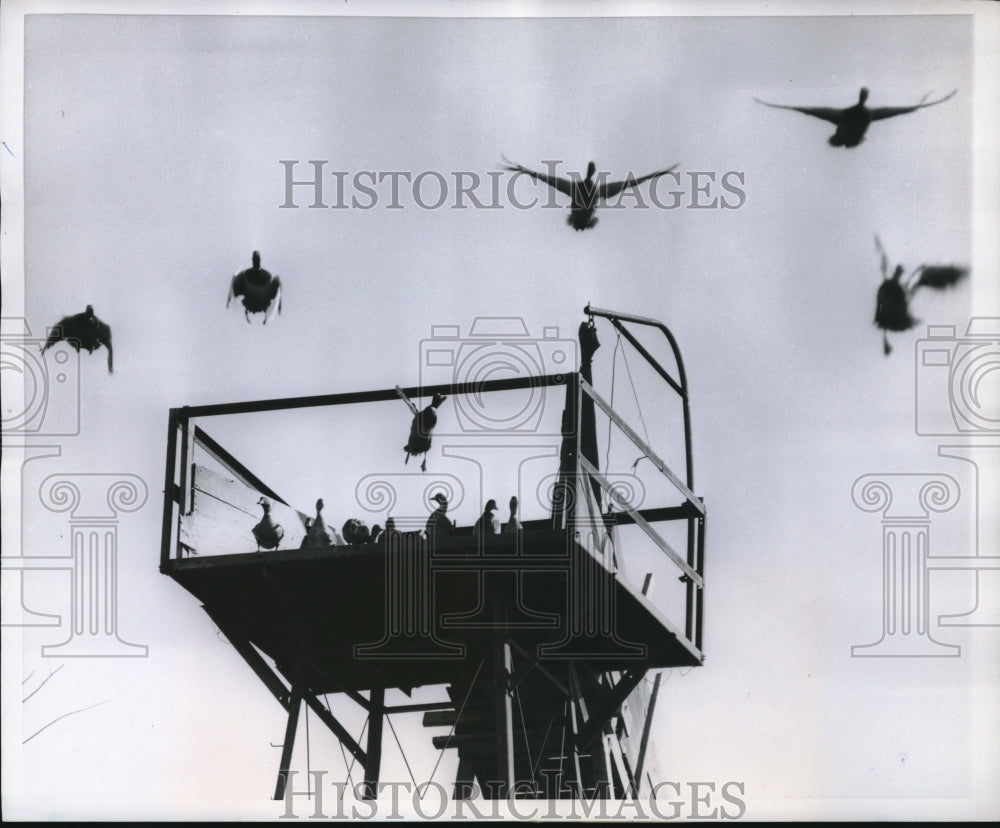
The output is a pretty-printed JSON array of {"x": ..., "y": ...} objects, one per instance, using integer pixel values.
[
  {"x": 183, "y": 486},
  {"x": 502, "y": 709},
  {"x": 691, "y": 593},
  {"x": 574, "y": 742},
  {"x": 373, "y": 761},
  {"x": 611, "y": 790},
  {"x": 168, "y": 489},
  {"x": 294, "y": 705},
  {"x": 568, "y": 454},
  {"x": 464, "y": 776},
  {"x": 694, "y": 595},
  {"x": 587, "y": 416},
  {"x": 700, "y": 593}
]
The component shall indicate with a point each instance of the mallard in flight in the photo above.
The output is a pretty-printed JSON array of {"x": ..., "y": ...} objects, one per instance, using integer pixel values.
[
  {"x": 260, "y": 290},
  {"x": 892, "y": 302},
  {"x": 82, "y": 330},
  {"x": 586, "y": 194},
  {"x": 852, "y": 122}
]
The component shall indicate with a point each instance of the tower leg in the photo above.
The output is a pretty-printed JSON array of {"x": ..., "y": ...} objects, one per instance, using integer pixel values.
[
  {"x": 294, "y": 705},
  {"x": 373, "y": 760},
  {"x": 503, "y": 712}
]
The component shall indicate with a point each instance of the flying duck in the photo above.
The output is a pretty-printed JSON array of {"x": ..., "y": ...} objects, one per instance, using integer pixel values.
[
  {"x": 260, "y": 290},
  {"x": 852, "y": 122},
  {"x": 421, "y": 427},
  {"x": 82, "y": 330},
  {"x": 892, "y": 302},
  {"x": 267, "y": 533},
  {"x": 584, "y": 195}
]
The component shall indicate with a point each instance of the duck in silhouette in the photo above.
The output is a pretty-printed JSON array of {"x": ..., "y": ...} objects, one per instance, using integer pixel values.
[
  {"x": 267, "y": 533},
  {"x": 82, "y": 330},
  {"x": 421, "y": 427},
  {"x": 586, "y": 194},
  {"x": 487, "y": 523},
  {"x": 260, "y": 290},
  {"x": 852, "y": 122},
  {"x": 356, "y": 532},
  {"x": 892, "y": 302},
  {"x": 439, "y": 525},
  {"x": 317, "y": 533},
  {"x": 513, "y": 525}
]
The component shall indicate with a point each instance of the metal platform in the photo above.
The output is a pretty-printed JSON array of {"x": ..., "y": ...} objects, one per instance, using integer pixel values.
[
  {"x": 545, "y": 614},
  {"x": 396, "y": 614}
]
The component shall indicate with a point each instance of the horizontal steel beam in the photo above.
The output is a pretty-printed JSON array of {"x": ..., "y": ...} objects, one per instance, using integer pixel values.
[{"x": 385, "y": 395}]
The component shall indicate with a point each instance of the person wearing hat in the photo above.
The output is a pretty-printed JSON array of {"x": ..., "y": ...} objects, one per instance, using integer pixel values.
[
  {"x": 439, "y": 525},
  {"x": 488, "y": 523}
]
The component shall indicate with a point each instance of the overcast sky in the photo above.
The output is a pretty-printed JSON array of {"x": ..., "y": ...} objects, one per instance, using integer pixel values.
[{"x": 151, "y": 155}]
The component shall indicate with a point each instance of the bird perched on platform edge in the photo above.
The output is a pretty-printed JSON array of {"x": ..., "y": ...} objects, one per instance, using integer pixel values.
[
  {"x": 82, "y": 330},
  {"x": 513, "y": 525},
  {"x": 487, "y": 523},
  {"x": 317, "y": 533},
  {"x": 267, "y": 533}
]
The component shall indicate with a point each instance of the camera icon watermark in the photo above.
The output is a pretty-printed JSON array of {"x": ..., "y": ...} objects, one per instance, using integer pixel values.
[
  {"x": 41, "y": 392},
  {"x": 957, "y": 397},
  {"x": 498, "y": 349},
  {"x": 965, "y": 371}
]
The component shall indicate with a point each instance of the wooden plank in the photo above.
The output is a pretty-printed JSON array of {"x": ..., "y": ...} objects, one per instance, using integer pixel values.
[
  {"x": 224, "y": 512},
  {"x": 482, "y": 743},
  {"x": 420, "y": 708},
  {"x": 440, "y": 718}
]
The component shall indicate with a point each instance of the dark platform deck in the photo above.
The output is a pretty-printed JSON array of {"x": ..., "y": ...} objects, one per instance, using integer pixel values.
[{"x": 356, "y": 617}]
